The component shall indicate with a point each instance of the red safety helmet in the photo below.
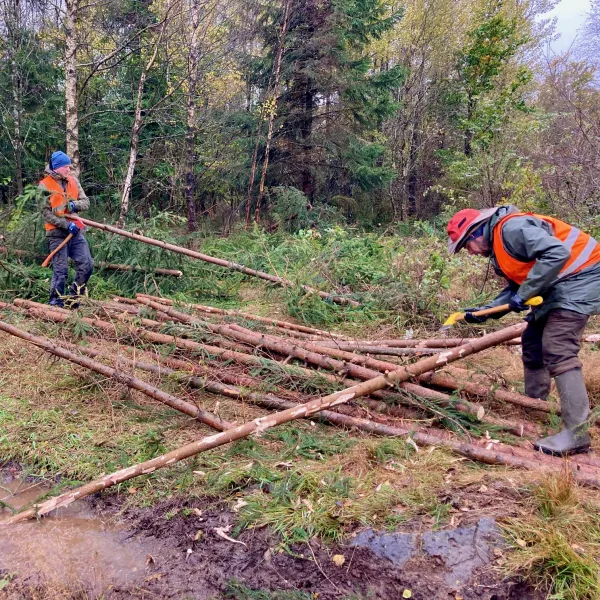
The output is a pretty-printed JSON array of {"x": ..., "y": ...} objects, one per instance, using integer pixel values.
[{"x": 463, "y": 223}]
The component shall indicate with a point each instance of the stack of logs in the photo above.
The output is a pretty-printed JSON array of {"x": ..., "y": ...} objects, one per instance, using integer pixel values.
[{"x": 380, "y": 391}]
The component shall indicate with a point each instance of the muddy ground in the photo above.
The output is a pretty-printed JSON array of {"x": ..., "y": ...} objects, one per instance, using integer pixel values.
[{"x": 179, "y": 554}]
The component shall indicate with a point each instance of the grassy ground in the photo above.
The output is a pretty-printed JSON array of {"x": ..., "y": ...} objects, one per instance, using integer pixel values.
[
  {"x": 67, "y": 425},
  {"x": 302, "y": 479}
]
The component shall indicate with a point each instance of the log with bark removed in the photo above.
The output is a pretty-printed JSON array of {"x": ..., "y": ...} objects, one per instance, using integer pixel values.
[
  {"x": 218, "y": 261},
  {"x": 130, "y": 381},
  {"x": 261, "y": 424}
]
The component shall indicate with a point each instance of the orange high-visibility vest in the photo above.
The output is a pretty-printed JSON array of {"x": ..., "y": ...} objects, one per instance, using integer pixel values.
[
  {"x": 59, "y": 198},
  {"x": 584, "y": 249}
]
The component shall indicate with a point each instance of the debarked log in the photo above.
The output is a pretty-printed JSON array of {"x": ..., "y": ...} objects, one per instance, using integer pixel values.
[
  {"x": 441, "y": 380},
  {"x": 238, "y": 313},
  {"x": 484, "y": 391},
  {"x": 323, "y": 357},
  {"x": 230, "y": 389},
  {"x": 245, "y": 395},
  {"x": 130, "y": 381},
  {"x": 261, "y": 424},
  {"x": 62, "y": 315},
  {"x": 218, "y": 261}
]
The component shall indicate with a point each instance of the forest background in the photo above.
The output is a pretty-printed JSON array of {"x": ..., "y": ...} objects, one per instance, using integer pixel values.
[{"x": 300, "y": 113}]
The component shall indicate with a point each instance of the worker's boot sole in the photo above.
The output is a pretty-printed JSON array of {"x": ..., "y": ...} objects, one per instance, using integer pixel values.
[{"x": 563, "y": 453}]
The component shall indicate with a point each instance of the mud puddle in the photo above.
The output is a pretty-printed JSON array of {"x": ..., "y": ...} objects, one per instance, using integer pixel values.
[
  {"x": 459, "y": 551},
  {"x": 78, "y": 548},
  {"x": 174, "y": 550}
]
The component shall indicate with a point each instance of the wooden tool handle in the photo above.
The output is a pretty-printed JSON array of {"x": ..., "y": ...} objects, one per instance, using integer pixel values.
[
  {"x": 535, "y": 301},
  {"x": 491, "y": 311},
  {"x": 61, "y": 245}
]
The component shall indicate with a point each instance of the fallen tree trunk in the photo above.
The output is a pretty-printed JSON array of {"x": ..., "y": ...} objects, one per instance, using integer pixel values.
[
  {"x": 320, "y": 356},
  {"x": 128, "y": 380},
  {"x": 232, "y": 391},
  {"x": 46, "y": 312},
  {"x": 248, "y": 359},
  {"x": 259, "y": 425},
  {"x": 367, "y": 365},
  {"x": 437, "y": 379},
  {"x": 69, "y": 314},
  {"x": 271, "y": 401},
  {"x": 433, "y": 378},
  {"x": 217, "y": 261},
  {"x": 101, "y": 264},
  {"x": 238, "y": 313},
  {"x": 411, "y": 343},
  {"x": 384, "y": 350},
  {"x": 157, "y": 270}
]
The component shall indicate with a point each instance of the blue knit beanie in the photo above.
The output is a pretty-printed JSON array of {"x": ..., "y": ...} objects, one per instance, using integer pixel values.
[{"x": 58, "y": 159}]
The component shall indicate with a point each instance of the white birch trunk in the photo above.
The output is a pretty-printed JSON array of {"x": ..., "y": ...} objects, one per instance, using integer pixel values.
[
  {"x": 72, "y": 116},
  {"x": 273, "y": 106},
  {"x": 190, "y": 137},
  {"x": 135, "y": 134},
  {"x": 12, "y": 18}
]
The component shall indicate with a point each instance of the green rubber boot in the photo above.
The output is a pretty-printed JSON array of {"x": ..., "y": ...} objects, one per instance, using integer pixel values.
[
  {"x": 537, "y": 382},
  {"x": 575, "y": 407}
]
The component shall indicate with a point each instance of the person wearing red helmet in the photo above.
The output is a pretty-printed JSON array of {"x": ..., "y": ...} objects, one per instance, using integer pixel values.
[{"x": 539, "y": 255}]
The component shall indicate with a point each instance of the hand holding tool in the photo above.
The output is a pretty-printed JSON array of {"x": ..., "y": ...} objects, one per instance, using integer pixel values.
[{"x": 459, "y": 316}]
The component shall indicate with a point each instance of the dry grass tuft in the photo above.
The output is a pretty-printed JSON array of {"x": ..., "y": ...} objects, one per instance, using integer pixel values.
[{"x": 556, "y": 541}]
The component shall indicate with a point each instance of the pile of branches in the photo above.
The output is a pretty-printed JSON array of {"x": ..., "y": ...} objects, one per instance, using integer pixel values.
[{"x": 394, "y": 388}]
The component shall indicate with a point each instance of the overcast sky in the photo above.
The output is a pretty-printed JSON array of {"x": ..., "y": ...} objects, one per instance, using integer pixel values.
[{"x": 570, "y": 16}]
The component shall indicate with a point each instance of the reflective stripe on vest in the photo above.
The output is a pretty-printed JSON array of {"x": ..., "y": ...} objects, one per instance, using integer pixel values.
[
  {"x": 584, "y": 249},
  {"x": 60, "y": 197}
]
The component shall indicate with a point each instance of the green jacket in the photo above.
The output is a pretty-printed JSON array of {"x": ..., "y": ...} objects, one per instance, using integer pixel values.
[
  {"x": 528, "y": 239},
  {"x": 82, "y": 203}
]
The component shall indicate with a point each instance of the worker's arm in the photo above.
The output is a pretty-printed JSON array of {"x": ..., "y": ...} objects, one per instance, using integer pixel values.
[
  {"x": 82, "y": 202},
  {"x": 502, "y": 298},
  {"x": 527, "y": 239}
]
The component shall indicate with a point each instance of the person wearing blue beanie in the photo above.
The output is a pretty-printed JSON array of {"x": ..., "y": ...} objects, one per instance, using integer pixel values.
[
  {"x": 58, "y": 159},
  {"x": 65, "y": 198}
]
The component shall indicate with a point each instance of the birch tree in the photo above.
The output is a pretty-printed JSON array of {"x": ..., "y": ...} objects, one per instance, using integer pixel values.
[
  {"x": 138, "y": 122},
  {"x": 272, "y": 103},
  {"x": 71, "y": 98},
  {"x": 14, "y": 36},
  {"x": 190, "y": 136}
]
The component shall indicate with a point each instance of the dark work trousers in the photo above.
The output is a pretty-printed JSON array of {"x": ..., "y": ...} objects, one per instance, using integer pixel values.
[
  {"x": 554, "y": 341},
  {"x": 79, "y": 252}
]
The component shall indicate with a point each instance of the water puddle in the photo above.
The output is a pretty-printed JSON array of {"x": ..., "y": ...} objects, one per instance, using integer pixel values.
[
  {"x": 461, "y": 550},
  {"x": 78, "y": 548}
]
